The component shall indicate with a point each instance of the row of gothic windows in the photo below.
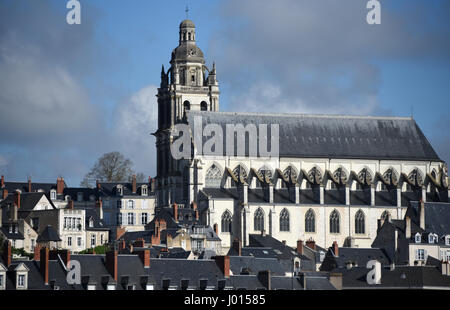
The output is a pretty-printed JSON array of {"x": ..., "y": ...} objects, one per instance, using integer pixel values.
[
  {"x": 390, "y": 176},
  {"x": 310, "y": 221}
]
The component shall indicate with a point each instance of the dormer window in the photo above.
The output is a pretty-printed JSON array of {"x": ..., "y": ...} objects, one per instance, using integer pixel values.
[
  {"x": 119, "y": 189},
  {"x": 431, "y": 238},
  {"x": 52, "y": 194},
  {"x": 21, "y": 276},
  {"x": 79, "y": 196},
  {"x": 91, "y": 222},
  {"x": 144, "y": 190},
  {"x": 418, "y": 238},
  {"x": 447, "y": 240}
]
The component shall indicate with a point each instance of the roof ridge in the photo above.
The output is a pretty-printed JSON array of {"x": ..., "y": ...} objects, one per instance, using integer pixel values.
[{"x": 306, "y": 115}]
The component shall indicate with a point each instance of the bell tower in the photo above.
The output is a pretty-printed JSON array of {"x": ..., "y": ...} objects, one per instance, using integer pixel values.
[{"x": 188, "y": 85}]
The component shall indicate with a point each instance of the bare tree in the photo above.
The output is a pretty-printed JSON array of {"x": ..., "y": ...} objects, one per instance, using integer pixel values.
[{"x": 111, "y": 167}]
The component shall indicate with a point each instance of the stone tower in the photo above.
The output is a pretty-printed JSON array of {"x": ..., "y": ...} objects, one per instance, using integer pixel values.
[{"x": 188, "y": 85}]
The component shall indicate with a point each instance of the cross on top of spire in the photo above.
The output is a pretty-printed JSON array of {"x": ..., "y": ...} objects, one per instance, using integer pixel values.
[{"x": 187, "y": 12}]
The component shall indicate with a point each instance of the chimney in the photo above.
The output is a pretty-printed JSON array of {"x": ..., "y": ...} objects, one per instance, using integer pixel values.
[
  {"x": 264, "y": 278},
  {"x": 99, "y": 205},
  {"x": 335, "y": 249},
  {"x": 43, "y": 266},
  {"x": 237, "y": 246},
  {"x": 422, "y": 214},
  {"x": 396, "y": 240},
  {"x": 2, "y": 182},
  {"x": 17, "y": 198},
  {"x": 120, "y": 231},
  {"x": 224, "y": 264},
  {"x": 122, "y": 245},
  {"x": 311, "y": 244},
  {"x": 300, "y": 247},
  {"x": 445, "y": 268},
  {"x": 59, "y": 185},
  {"x": 4, "y": 193},
  {"x": 134, "y": 184},
  {"x": 196, "y": 215},
  {"x": 144, "y": 255},
  {"x": 37, "y": 253},
  {"x": 111, "y": 263},
  {"x": 70, "y": 205},
  {"x": 29, "y": 184},
  {"x": 7, "y": 253},
  {"x": 97, "y": 184},
  {"x": 175, "y": 212},
  {"x": 408, "y": 227}
]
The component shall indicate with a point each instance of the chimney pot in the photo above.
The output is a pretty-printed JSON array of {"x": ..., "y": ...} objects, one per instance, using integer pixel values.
[
  {"x": 43, "y": 266},
  {"x": 37, "y": 253},
  {"x": 335, "y": 249},
  {"x": 4, "y": 193},
  {"x": 175, "y": 212},
  {"x": 224, "y": 264},
  {"x": 29, "y": 184},
  {"x": 311, "y": 244},
  {"x": 145, "y": 258},
  {"x": 111, "y": 263},
  {"x": 134, "y": 184},
  {"x": 2, "y": 182},
  {"x": 300, "y": 247}
]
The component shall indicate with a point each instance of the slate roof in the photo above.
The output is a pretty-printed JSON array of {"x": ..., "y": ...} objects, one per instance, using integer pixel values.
[
  {"x": 358, "y": 256},
  {"x": 98, "y": 223},
  {"x": 11, "y": 236},
  {"x": 177, "y": 269},
  {"x": 334, "y": 136},
  {"x": 27, "y": 201},
  {"x": 23, "y": 186},
  {"x": 48, "y": 234},
  {"x": 437, "y": 216},
  {"x": 254, "y": 264},
  {"x": 404, "y": 277}
]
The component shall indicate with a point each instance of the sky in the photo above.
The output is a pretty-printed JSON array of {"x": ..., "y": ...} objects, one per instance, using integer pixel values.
[{"x": 70, "y": 93}]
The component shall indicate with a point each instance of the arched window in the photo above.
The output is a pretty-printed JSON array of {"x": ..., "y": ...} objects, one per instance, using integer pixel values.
[
  {"x": 186, "y": 106},
  {"x": 360, "y": 227},
  {"x": 213, "y": 176},
  {"x": 284, "y": 220},
  {"x": 226, "y": 221},
  {"x": 310, "y": 221},
  {"x": 334, "y": 222},
  {"x": 263, "y": 172},
  {"x": 189, "y": 36},
  {"x": 203, "y": 106},
  {"x": 239, "y": 171},
  {"x": 385, "y": 215},
  {"x": 258, "y": 220}
]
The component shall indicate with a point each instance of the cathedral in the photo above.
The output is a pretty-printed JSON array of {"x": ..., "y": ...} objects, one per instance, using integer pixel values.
[{"x": 335, "y": 177}]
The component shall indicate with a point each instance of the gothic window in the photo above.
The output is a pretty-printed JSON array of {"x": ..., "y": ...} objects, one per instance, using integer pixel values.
[
  {"x": 226, "y": 221},
  {"x": 213, "y": 176},
  {"x": 415, "y": 178},
  {"x": 310, "y": 221},
  {"x": 365, "y": 177},
  {"x": 264, "y": 172},
  {"x": 334, "y": 222},
  {"x": 360, "y": 223},
  {"x": 258, "y": 220},
  {"x": 315, "y": 175},
  {"x": 340, "y": 175},
  {"x": 203, "y": 106},
  {"x": 239, "y": 172},
  {"x": 284, "y": 220}
]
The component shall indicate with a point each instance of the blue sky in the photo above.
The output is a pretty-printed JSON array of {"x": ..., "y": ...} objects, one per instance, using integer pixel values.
[{"x": 70, "y": 93}]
